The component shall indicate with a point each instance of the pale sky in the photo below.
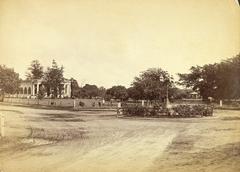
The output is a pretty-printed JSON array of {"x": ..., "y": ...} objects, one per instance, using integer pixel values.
[{"x": 108, "y": 42}]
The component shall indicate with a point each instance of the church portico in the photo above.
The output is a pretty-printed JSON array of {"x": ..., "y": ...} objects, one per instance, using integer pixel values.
[{"x": 30, "y": 89}]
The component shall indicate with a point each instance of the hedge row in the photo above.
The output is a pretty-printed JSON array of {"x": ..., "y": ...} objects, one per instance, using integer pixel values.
[
  {"x": 175, "y": 111},
  {"x": 192, "y": 110}
]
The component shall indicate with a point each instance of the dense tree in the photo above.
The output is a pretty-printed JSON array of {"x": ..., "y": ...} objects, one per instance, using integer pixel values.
[
  {"x": 135, "y": 93},
  {"x": 9, "y": 80},
  {"x": 117, "y": 92},
  {"x": 201, "y": 79},
  {"x": 41, "y": 92},
  {"x": 152, "y": 84},
  {"x": 219, "y": 80},
  {"x": 101, "y": 92},
  {"x": 35, "y": 71},
  {"x": 228, "y": 80},
  {"x": 75, "y": 89},
  {"x": 178, "y": 93},
  {"x": 53, "y": 79},
  {"x": 89, "y": 91}
]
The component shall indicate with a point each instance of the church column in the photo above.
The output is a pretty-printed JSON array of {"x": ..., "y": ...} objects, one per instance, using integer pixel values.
[
  {"x": 33, "y": 89},
  {"x": 69, "y": 90},
  {"x": 64, "y": 89},
  {"x": 37, "y": 88}
]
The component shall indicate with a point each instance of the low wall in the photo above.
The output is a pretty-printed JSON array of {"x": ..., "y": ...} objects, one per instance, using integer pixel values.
[{"x": 88, "y": 103}]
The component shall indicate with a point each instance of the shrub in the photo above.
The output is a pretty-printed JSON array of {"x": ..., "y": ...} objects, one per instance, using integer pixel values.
[
  {"x": 138, "y": 110},
  {"x": 135, "y": 110},
  {"x": 81, "y": 104},
  {"x": 175, "y": 111},
  {"x": 192, "y": 110}
]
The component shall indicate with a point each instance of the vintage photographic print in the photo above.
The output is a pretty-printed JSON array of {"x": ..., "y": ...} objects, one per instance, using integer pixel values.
[{"x": 119, "y": 86}]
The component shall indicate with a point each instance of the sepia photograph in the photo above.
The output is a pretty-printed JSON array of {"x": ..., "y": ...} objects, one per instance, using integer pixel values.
[{"x": 119, "y": 86}]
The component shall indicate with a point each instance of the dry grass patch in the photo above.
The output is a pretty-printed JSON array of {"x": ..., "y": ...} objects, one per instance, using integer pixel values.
[
  {"x": 231, "y": 118},
  {"x": 66, "y": 117},
  {"x": 57, "y": 134}
]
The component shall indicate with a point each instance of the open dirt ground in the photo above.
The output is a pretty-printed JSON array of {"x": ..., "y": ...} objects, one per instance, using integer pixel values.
[{"x": 40, "y": 140}]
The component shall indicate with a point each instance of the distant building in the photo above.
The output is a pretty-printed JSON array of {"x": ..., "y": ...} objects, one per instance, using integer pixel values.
[
  {"x": 30, "y": 88},
  {"x": 194, "y": 95}
]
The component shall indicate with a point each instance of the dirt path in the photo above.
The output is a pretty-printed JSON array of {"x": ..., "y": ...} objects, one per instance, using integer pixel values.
[{"x": 51, "y": 140}]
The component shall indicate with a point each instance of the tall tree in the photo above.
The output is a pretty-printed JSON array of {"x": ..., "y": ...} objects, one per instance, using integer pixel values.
[
  {"x": 201, "y": 79},
  {"x": 35, "y": 71},
  {"x": 153, "y": 83},
  {"x": 53, "y": 80},
  {"x": 219, "y": 80},
  {"x": 229, "y": 78},
  {"x": 178, "y": 93},
  {"x": 117, "y": 92},
  {"x": 135, "y": 92},
  {"x": 101, "y": 92},
  {"x": 9, "y": 80},
  {"x": 75, "y": 89},
  {"x": 90, "y": 91}
]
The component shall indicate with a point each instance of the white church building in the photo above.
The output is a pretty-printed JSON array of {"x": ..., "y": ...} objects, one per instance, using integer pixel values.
[{"x": 30, "y": 88}]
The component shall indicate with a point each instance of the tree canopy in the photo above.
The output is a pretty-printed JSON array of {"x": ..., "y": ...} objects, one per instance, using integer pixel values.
[
  {"x": 75, "y": 89},
  {"x": 89, "y": 91},
  {"x": 151, "y": 84},
  {"x": 35, "y": 71},
  {"x": 53, "y": 79},
  {"x": 9, "y": 80},
  {"x": 117, "y": 92},
  {"x": 219, "y": 80}
]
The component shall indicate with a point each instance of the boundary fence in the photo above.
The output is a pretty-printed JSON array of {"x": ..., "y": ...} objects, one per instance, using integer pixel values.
[{"x": 75, "y": 103}]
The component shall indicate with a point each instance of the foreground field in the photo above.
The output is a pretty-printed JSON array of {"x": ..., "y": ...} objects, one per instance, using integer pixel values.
[{"x": 39, "y": 140}]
